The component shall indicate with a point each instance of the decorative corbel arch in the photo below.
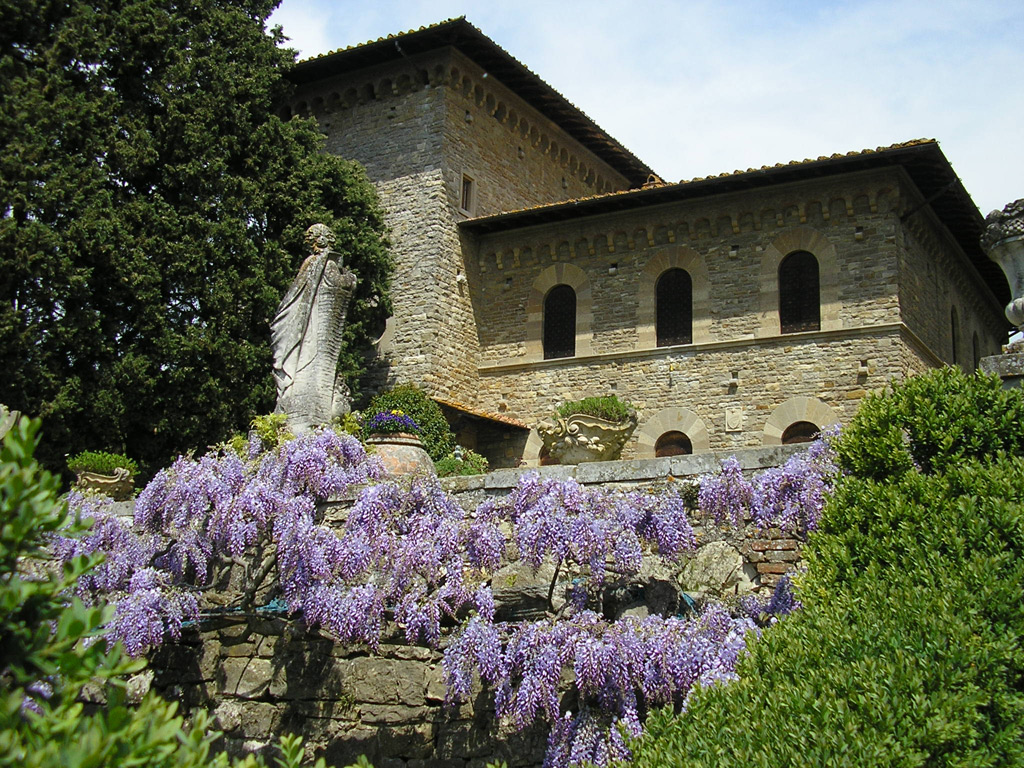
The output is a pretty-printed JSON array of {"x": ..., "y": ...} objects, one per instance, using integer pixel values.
[
  {"x": 559, "y": 274},
  {"x": 673, "y": 419},
  {"x": 797, "y": 409},
  {"x": 674, "y": 257},
  {"x": 815, "y": 243}
]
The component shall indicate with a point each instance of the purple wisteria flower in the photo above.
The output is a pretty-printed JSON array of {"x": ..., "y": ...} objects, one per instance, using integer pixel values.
[
  {"x": 615, "y": 666},
  {"x": 391, "y": 422}
]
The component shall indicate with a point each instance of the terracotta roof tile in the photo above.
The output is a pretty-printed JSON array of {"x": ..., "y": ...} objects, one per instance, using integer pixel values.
[
  {"x": 697, "y": 179},
  {"x": 498, "y": 417}
]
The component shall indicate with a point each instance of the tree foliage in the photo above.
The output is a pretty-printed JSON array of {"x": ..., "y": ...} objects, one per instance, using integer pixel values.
[
  {"x": 152, "y": 208},
  {"x": 907, "y": 652}
]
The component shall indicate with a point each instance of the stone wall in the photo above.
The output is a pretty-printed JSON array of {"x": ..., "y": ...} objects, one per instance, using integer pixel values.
[
  {"x": 418, "y": 126},
  {"x": 740, "y": 370},
  {"x": 740, "y": 373},
  {"x": 262, "y": 675},
  {"x": 934, "y": 279}
]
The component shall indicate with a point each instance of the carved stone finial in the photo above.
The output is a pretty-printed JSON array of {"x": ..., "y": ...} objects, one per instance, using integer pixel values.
[
  {"x": 1003, "y": 241},
  {"x": 1000, "y": 225}
]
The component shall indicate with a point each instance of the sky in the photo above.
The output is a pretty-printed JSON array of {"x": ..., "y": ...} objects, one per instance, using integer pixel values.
[{"x": 697, "y": 87}]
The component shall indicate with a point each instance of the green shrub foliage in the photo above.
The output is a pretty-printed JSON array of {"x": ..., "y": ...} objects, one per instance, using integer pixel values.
[
  {"x": 435, "y": 433},
  {"x": 102, "y": 463},
  {"x": 930, "y": 422},
  {"x": 153, "y": 207},
  {"x": 908, "y": 650},
  {"x": 461, "y": 462},
  {"x": 609, "y": 407}
]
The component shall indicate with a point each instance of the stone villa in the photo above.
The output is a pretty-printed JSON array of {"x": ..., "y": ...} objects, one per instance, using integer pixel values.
[{"x": 538, "y": 260}]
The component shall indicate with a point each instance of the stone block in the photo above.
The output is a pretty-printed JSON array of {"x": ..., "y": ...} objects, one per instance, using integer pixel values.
[
  {"x": 386, "y": 681},
  {"x": 774, "y": 568},
  {"x": 717, "y": 569},
  {"x": 246, "y": 678},
  {"x": 437, "y": 763}
]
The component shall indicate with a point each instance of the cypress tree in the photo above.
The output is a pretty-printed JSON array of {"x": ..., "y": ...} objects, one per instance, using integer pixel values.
[{"x": 152, "y": 206}]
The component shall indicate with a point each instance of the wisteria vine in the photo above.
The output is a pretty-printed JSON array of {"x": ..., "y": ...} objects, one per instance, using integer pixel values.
[{"x": 409, "y": 554}]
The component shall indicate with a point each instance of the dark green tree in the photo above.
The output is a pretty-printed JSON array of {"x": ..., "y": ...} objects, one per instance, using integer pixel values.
[{"x": 152, "y": 207}]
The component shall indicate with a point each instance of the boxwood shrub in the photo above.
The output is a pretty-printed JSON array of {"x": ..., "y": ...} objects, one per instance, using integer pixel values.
[
  {"x": 608, "y": 407},
  {"x": 102, "y": 463}
]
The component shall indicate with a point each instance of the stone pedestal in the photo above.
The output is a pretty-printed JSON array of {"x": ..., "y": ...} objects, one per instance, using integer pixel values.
[{"x": 1009, "y": 367}]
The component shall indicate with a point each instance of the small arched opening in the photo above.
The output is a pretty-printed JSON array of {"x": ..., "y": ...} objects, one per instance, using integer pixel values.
[
  {"x": 800, "y": 432},
  {"x": 673, "y": 444},
  {"x": 674, "y": 308},
  {"x": 799, "y": 293},
  {"x": 559, "y": 338}
]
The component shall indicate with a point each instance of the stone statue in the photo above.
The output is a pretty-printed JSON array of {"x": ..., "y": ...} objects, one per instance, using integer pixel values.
[
  {"x": 306, "y": 336},
  {"x": 1003, "y": 241}
]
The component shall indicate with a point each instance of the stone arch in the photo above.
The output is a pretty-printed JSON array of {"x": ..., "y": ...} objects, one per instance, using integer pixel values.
[
  {"x": 677, "y": 257},
  {"x": 797, "y": 409},
  {"x": 560, "y": 273},
  {"x": 815, "y": 243},
  {"x": 673, "y": 419}
]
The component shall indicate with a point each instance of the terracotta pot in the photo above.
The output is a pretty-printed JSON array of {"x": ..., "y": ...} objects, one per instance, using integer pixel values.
[{"x": 402, "y": 454}]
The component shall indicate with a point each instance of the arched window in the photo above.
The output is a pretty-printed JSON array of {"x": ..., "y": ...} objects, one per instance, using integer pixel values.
[
  {"x": 976, "y": 347},
  {"x": 799, "y": 298},
  {"x": 954, "y": 329},
  {"x": 673, "y": 444},
  {"x": 559, "y": 322},
  {"x": 800, "y": 432},
  {"x": 673, "y": 298}
]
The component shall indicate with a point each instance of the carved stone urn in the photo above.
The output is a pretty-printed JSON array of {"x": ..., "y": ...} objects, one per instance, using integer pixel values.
[
  {"x": 118, "y": 486},
  {"x": 401, "y": 453},
  {"x": 580, "y": 438},
  {"x": 1003, "y": 241}
]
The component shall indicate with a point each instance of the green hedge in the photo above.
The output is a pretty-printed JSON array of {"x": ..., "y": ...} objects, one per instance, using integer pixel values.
[
  {"x": 908, "y": 651},
  {"x": 462, "y": 462}
]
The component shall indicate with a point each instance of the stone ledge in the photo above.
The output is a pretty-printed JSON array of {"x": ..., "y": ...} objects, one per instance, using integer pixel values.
[{"x": 635, "y": 471}]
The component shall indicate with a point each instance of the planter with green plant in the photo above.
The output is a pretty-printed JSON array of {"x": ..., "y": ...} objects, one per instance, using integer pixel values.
[
  {"x": 592, "y": 429},
  {"x": 395, "y": 437},
  {"x": 109, "y": 473}
]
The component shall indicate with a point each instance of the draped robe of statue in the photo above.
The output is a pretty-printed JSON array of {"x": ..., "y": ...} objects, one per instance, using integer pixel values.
[{"x": 306, "y": 337}]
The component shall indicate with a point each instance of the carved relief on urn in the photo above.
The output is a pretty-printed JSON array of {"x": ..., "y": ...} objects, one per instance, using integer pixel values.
[
  {"x": 580, "y": 438},
  {"x": 1003, "y": 241}
]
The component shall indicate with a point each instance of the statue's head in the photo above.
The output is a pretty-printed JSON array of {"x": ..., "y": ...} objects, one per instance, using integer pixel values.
[{"x": 319, "y": 238}]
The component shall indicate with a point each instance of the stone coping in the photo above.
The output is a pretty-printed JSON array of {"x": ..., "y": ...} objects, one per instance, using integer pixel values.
[
  {"x": 1008, "y": 366},
  {"x": 629, "y": 471}
]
